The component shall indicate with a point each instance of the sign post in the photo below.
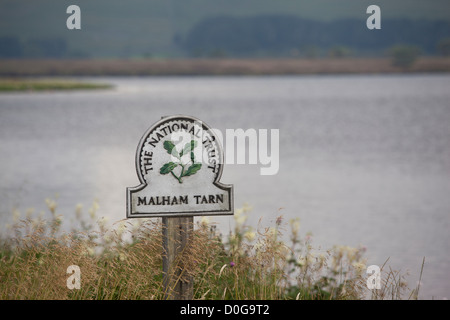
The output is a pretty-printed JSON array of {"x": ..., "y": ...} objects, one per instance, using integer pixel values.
[
  {"x": 179, "y": 164},
  {"x": 177, "y": 232}
]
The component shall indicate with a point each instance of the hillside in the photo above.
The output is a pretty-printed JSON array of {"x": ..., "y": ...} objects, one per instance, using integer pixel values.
[{"x": 136, "y": 28}]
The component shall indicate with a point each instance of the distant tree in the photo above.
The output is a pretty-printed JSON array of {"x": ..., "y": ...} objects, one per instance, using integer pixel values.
[
  {"x": 217, "y": 53},
  {"x": 282, "y": 35},
  {"x": 339, "y": 52},
  {"x": 46, "y": 48},
  {"x": 443, "y": 47},
  {"x": 10, "y": 47},
  {"x": 311, "y": 51},
  {"x": 403, "y": 56},
  {"x": 78, "y": 54}
]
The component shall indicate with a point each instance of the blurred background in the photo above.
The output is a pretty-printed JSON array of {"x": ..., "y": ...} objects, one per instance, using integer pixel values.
[
  {"x": 213, "y": 28},
  {"x": 363, "y": 114}
]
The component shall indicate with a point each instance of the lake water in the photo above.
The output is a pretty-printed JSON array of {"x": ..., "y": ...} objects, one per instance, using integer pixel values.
[{"x": 364, "y": 160}]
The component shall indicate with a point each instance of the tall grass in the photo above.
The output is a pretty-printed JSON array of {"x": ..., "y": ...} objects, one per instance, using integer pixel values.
[{"x": 123, "y": 261}]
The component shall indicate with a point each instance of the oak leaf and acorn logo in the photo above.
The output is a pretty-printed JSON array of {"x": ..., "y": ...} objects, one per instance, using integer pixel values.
[{"x": 170, "y": 166}]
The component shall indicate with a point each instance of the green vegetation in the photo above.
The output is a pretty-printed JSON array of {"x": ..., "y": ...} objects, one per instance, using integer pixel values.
[
  {"x": 404, "y": 56},
  {"x": 123, "y": 261},
  {"x": 339, "y": 52},
  {"x": 443, "y": 47},
  {"x": 47, "y": 85},
  {"x": 289, "y": 35},
  {"x": 170, "y": 166}
]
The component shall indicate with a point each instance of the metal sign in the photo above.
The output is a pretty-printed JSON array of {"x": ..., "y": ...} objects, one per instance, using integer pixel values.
[{"x": 179, "y": 163}]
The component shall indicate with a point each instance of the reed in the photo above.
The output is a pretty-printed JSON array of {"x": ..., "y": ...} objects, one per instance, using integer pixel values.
[{"x": 123, "y": 261}]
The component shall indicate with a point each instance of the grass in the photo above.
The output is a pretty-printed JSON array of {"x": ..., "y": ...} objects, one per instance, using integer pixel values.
[
  {"x": 7, "y": 85},
  {"x": 123, "y": 261}
]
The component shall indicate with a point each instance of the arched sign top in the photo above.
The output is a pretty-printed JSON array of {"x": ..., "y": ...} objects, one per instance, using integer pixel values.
[{"x": 179, "y": 163}]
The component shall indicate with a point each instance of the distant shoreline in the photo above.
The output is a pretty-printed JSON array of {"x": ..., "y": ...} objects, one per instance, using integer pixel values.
[
  {"x": 199, "y": 67},
  {"x": 42, "y": 84}
]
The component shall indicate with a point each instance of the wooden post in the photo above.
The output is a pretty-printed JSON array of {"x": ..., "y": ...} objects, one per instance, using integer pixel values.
[{"x": 177, "y": 232}]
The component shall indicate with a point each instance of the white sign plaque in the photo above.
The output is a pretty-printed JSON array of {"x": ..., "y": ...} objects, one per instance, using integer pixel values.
[{"x": 179, "y": 163}]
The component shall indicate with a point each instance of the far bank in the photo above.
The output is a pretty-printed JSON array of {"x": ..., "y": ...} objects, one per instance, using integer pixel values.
[{"x": 189, "y": 67}]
